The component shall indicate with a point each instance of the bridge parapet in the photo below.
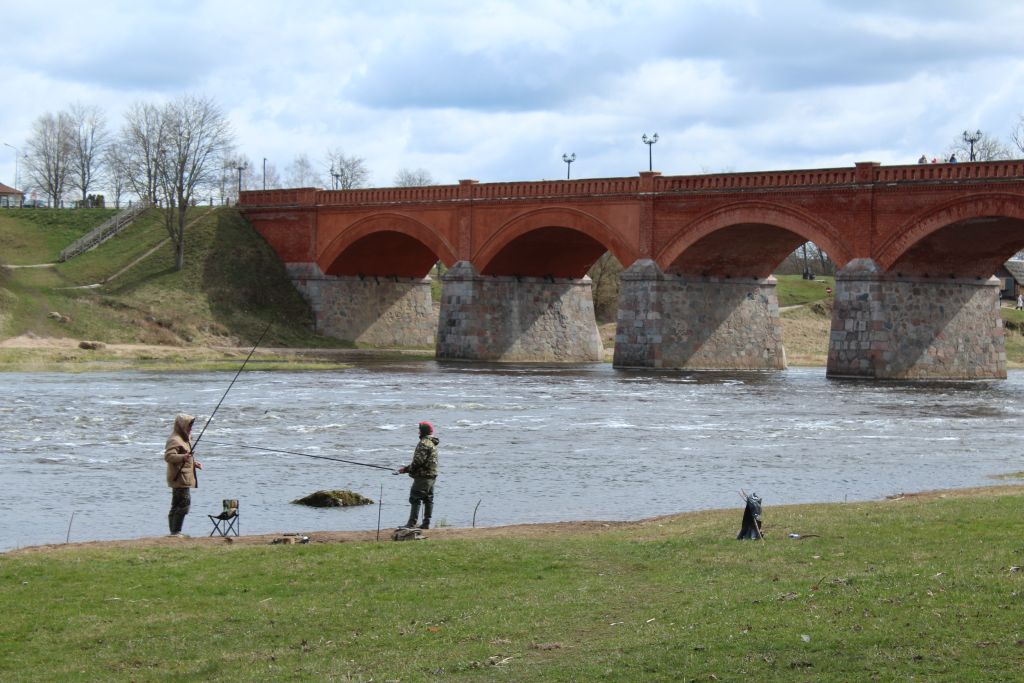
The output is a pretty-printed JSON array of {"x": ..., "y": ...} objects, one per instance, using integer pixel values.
[
  {"x": 863, "y": 173},
  {"x": 976, "y": 170}
]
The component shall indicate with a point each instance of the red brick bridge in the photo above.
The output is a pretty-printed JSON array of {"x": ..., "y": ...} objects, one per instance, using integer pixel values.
[{"x": 916, "y": 247}]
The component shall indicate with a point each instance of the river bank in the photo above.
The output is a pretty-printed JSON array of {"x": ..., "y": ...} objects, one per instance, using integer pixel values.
[
  {"x": 30, "y": 353},
  {"x": 910, "y": 588},
  {"x": 511, "y": 531}
]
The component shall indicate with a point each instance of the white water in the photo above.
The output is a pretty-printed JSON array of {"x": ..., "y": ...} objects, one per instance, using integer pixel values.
[{"x": 533, "y": 444}]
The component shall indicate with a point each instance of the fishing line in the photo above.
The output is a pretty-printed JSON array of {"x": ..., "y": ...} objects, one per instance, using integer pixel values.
[{"x": 305, "y": 455}]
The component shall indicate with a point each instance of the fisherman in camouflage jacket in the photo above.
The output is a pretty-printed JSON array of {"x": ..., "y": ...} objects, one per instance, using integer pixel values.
[{"x": 423, "y": 470}]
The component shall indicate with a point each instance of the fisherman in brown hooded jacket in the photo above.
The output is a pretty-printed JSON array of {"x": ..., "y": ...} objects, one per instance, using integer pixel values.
[{"x": 181, "y": 471}]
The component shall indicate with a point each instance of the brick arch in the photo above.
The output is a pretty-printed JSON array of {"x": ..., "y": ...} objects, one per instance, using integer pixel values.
[
  {"x": 389, "y": 228},
  {"x": 788, "y": 227},
  {"x": 544, "y": 236},
  {"x": 981, "y": 206}
]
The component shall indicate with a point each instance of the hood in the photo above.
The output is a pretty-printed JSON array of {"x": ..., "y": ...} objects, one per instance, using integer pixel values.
[{"x": 183, "y": 425}]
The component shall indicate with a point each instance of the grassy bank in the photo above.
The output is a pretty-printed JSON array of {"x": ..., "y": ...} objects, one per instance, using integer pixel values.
[{"x": 920, "y": 588}]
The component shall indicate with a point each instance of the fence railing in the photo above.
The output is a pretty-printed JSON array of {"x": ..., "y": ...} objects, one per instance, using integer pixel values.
[{"x": 103, "y": 232}]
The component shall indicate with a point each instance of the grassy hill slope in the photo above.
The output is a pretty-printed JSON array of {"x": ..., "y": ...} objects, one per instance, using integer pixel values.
[{"x": 231, "y": 286}]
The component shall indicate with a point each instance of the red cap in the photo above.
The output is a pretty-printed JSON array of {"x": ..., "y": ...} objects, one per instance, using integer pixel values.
[{"x": 426, "y": 428}]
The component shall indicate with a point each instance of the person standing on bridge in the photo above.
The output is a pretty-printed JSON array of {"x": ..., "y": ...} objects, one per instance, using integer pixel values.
[
  {"x": 181, "y": 471},
  {"x": 423, "y": 470}
]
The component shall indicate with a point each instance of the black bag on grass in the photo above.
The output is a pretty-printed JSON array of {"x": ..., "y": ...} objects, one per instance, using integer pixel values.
[{"x": 751, "y": 527}]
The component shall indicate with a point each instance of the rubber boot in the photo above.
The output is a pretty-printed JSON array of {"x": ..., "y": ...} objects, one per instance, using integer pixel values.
[
  {"x": 176, "y": 523},
  {"x": 171, "y": 517},
  {"x": 428, "y": 508},
  {"x": 414, "y": 512}
]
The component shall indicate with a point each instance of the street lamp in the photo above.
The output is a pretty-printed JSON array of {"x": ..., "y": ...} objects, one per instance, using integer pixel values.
[
  {"x": 568, "y": 159},
  {"x": 16, "y": 155},
  {"x": 335, "y": 175},
  {"x": 649, "y": 141},
  {"x": 264, "y": 174},
  {"x": 971, "y": 138},
  {"x": 241, "y": 167}
]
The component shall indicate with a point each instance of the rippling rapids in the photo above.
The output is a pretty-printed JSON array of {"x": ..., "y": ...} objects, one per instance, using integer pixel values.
[{"x": 526, "y": 443}]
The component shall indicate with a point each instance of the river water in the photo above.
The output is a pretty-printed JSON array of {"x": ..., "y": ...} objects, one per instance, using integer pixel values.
[{"x": 518, "y": 444}]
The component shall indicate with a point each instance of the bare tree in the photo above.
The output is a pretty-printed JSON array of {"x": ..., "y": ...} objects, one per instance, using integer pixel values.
[
  {"x": 1017, "y": 135},
  {"x": 270, "y": 179},
  {"x": 419, "y": 177},
  {"x": 115, "y": 163},
  {"x": 807, "y": 259},
  {"x": 347, "y": 173},
  {"x": 90, "y": 140},
  {"x": 196, "y": 135},
  {"x": 141, "y": 138},
  {"x": 301, "y": 173},
  {"x": 50, "y": 153}
]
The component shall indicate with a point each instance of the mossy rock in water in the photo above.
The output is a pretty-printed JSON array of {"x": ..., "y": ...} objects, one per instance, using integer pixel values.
[{"x": 333, "y": 499}]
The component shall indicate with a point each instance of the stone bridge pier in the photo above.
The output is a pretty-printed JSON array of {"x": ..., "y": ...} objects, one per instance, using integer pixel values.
[
  {"x": 697, "y": 323},
  {"x": 516, "y": 319},
  {"x": 370, "y": 310},
  {"x": 895, "y": 326}
]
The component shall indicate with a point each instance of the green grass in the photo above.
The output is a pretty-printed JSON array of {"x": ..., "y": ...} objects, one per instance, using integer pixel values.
[
  {"x": 107, "y": 259},
  {"x": 29, "y": 236},
  {"x": 1013, "y": 321},
  {"x": 793, "y": 290},
  {"x": 908, "y": 590},
  {"x": 231, "y": 287}
]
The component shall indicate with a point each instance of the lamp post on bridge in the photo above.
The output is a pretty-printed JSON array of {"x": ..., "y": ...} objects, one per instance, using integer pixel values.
[
  {"x": 568, "y": 159},
  {"x": 971, "y": 138},
  {"x": 335, "y": 175},
  {"x": 241, "y": 167},
  {"x": 649, "y": 141},
  {"x": 264, "y": 174}
]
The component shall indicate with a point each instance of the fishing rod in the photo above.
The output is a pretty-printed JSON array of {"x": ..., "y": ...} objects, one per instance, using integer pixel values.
[
  {"x": 192, "y": 446},
  {"x": 208, "y": 421},
  {"x": 305, "y": 455}
]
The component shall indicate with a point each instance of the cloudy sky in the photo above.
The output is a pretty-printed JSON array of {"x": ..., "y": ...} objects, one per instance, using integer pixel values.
[{"x": 497, "y": 90}]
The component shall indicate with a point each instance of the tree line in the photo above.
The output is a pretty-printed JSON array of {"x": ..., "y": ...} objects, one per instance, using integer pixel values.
[
  {"x": 173, "y": 155},
  {"x": 163, "y": 153}
]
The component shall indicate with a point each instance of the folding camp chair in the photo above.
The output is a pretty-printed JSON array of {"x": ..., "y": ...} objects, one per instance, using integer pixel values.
[{"x": 227, "y": 521}]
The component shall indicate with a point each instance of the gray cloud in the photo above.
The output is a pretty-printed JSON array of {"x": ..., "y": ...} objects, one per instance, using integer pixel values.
[{"x": 498, "y": 90}]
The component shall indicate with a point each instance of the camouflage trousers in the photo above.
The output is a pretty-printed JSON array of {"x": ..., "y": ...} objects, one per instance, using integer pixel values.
[
  {"x": 181, "y": 501},
  {"x": 422, "y": 492}
]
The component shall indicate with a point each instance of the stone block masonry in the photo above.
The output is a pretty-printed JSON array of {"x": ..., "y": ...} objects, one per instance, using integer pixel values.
[
  {"x": 512, "y": 319},
  {"x": 375, "y": 311},
  {"x": 891, "y": 326},
  {"x": 697, "y": 323}
]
